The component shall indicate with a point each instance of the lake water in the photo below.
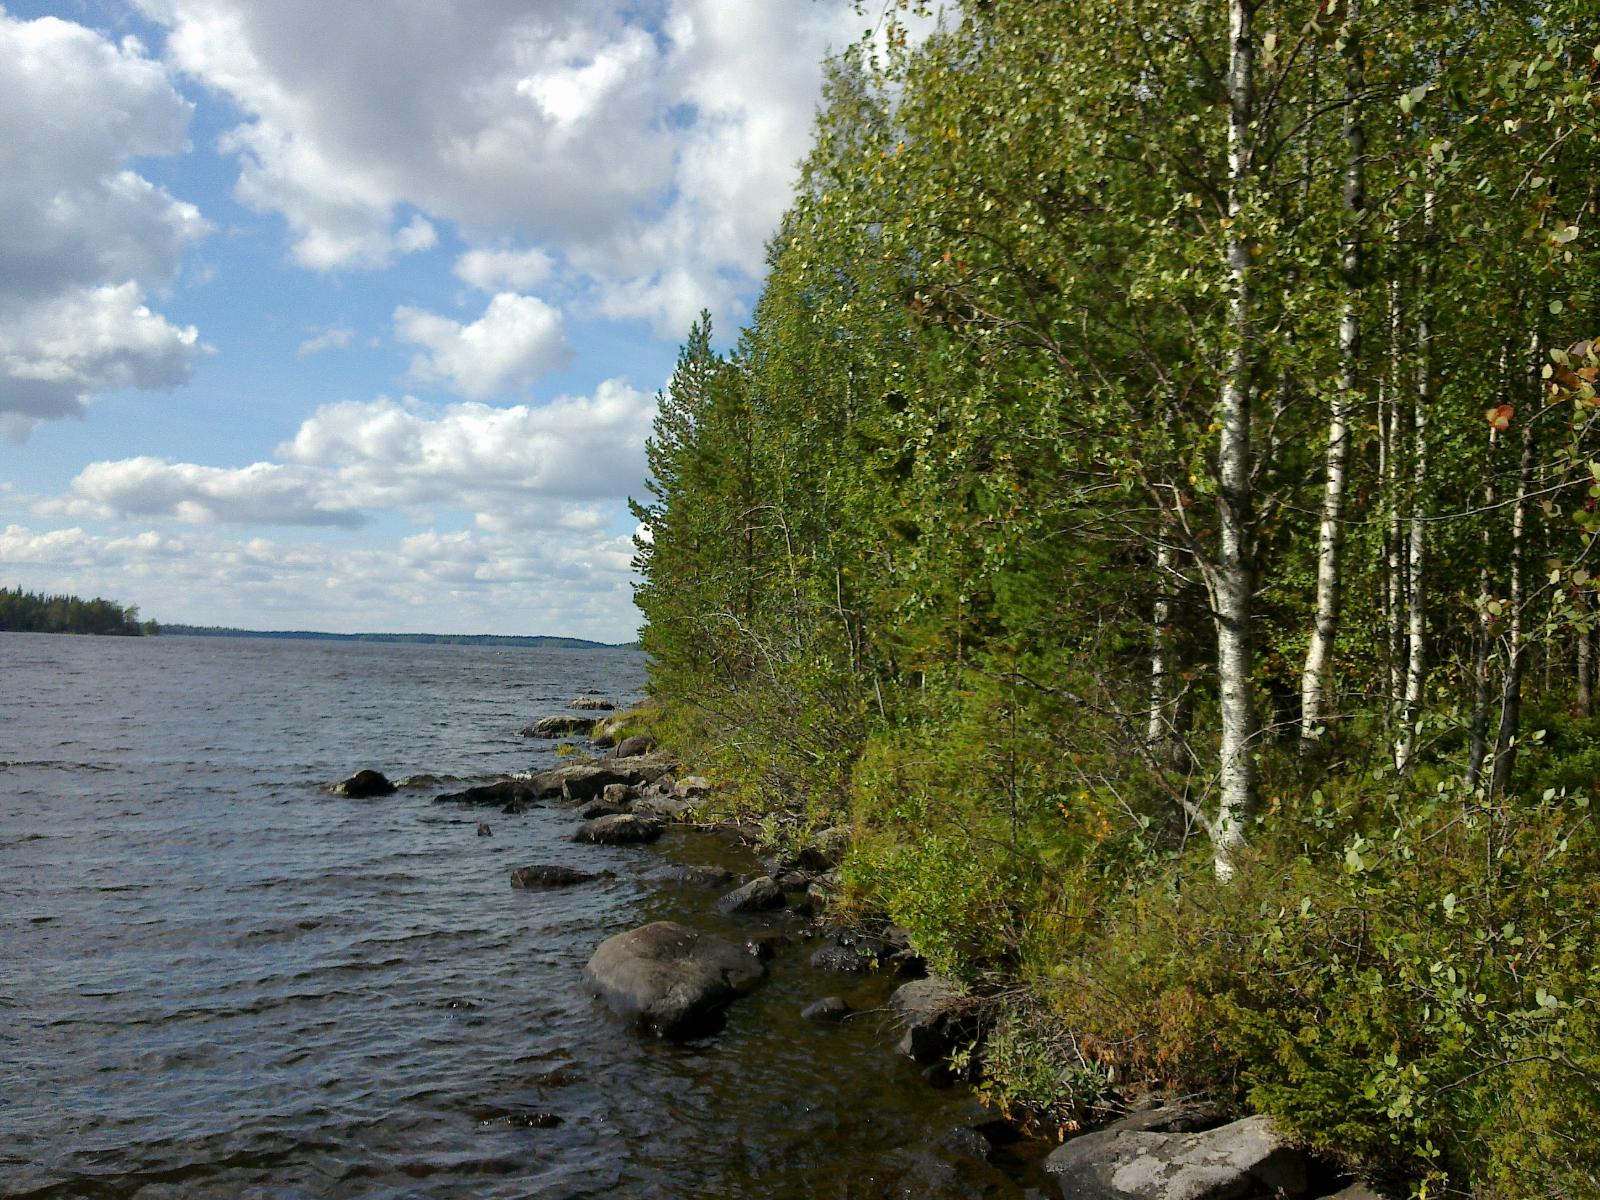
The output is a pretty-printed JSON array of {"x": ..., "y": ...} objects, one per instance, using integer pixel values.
[{"x": 218, "y": 980}]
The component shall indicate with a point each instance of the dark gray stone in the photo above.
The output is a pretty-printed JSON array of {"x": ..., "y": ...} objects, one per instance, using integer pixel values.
[
  {"x": 541, "y": 876},
  {"x": 669, "y": 980},
  {"x": 639, "y": 743},
  {"x": 1244, "y": 1159},
  {"x": 559, "y": 726},
  {"x": 758, "y": 895},
  {"x": 591, "y": 704},
  {"x": 699, "y": 875},
  {"x": 936, "y": 1018},
  {"x": 622, "y": 829},
  {"x": 363, "y": 784},
  {"x": 601, "y": 808},
  {"x": 828, "y": 1010},
  {"x": 507, "y": 791}
]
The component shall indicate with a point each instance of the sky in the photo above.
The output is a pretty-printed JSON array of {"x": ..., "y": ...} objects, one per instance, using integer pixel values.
[{"x": 351, "y": 316}]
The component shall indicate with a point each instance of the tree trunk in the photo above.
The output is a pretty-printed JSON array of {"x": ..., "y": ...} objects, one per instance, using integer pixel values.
[
  {"x": 1505, "y": 749},
  {"x": 1394, "y": 539},
  {"x": 1234, "y": 571},
  {"x": 1330, "y": 537},
  {"x": 1163, "y": 655},
  {"x": 1416, "y": 549},
  {"x": 1585, "y": 701},
  {"x": 1483, "y": 637}
]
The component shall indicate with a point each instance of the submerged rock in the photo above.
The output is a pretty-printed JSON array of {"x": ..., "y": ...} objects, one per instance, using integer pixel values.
[
  {"x": 562, "y": 725},
  {"x": 541, "y": 876},
  {"x": 670, "y": 980},
  {"x": 827, "y": 1011},
  {"x": 702, "y": 876},
  {"x": 1247, "y": 1158},
  {"x": 621, "y": 829},
  {"x": 363, "y": 784},
  {"x": 484, "y": 830},
  {"x": 759, "y": 894},
  {"x": 514, "y": 792}
]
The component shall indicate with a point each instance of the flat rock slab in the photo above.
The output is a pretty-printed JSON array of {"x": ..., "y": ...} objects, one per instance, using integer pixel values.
[
  {"x": 541, "y": 876},
  {"x": 758, "y": 895},
  {"x": 669, "y": 980},
  {"x": 1245, "y": 1159},
  {"x": 507, "y": 791},
  {"x": 559, "y": 726},
  {"x": 591, "y": 704},
  {"x": 363, "y": 784},
  {"x": 620, "y": 829}
]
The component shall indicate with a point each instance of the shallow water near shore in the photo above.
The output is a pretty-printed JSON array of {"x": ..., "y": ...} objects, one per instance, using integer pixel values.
[{"x": 218, "y": 980}]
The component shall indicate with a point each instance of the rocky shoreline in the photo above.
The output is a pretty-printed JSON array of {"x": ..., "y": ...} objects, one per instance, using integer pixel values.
[{"x": 666, "y": 980}]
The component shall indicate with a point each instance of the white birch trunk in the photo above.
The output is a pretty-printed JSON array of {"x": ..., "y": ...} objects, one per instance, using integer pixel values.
[
  {"x": 1330, "y": 536},
  {"x": 1234, "y": 573},
  {"x": 1416, "y": 549}
]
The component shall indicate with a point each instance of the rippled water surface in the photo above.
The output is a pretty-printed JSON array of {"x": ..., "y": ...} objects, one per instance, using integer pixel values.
[{"x": 218, "y": 980}]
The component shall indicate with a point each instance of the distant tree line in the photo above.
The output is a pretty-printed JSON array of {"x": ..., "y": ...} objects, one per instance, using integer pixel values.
[{"x": 35, "y": 612}]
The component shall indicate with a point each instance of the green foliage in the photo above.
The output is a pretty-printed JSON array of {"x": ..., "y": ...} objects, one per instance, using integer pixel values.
[
  {"x": 918, "y": 542},
  {"x": 35, "y": 612}
]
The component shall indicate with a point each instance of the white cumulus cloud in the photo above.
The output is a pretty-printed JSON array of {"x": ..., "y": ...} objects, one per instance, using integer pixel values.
[
  {"x": 81, "y": 234},
  {"x": 653, "y": 146},
  {"x": 517, "y": 339}
]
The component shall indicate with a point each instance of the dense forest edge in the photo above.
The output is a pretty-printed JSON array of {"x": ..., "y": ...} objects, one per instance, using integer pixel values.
[
  {"x": 1153, "y": 508},
  {"x": 36, "y": 612}
]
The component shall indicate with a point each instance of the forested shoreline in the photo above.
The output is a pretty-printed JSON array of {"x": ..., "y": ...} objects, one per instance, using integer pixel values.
[
  {"x": 37, "y": 612},
  {"x": 1153, "y": 506}
]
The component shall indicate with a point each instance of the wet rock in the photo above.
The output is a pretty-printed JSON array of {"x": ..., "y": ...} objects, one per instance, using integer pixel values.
[
  {"x": 827, "y": 1011},
  {"x": 759, "y": 895},
  {"x": 1246, "y": 1158},
  {"x": 519, "y": 1119},
  {"x": 764, "y": 945},
  {"x": 591, "y": 704},
  {"x": 936, "y": 1018},
  {"x": 849, "y": 952},
  {"x": 923, "y": 1174},
  {"x": 639, "y": 743},
  {"x": 617, "y": 793},
  {"x": 699, "y": 875},
  {"x": 507, "y": 791},
  {"x": 825, "y": 850},
  {"x": 664, "y": 807},
  {"x": 588, "y": 781},
  {"x": 671, "y": 980},
  {"x": 484, "y": 830},
  {"x": 622, "y": 829},
  {"x": 793, "y": 881},
  {"x": 563, "y": 725},
  {"x": 1190, "y": 1116},
  {"x": 600, "y": 809},
  {"x": 364, "y": 784},
  {"x": 962, "y": 1141},
  {"x": 542, "y": 876},
  {"x": 692, "y": 787}
]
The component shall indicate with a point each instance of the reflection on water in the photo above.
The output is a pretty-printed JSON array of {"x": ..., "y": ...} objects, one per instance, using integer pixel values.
[{"x": 217, "y": 980}]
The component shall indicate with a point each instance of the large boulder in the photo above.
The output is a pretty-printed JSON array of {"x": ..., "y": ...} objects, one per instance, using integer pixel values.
[
  {"x": 620, "y": 829},
  {"x": 671, "y": 981},
  {"x": 515, "y": 792},
  {"x": 639, "y": 743},
  {"x": 759, "y": 894},
  {"x": 1245, "y": 1159},
  {"x": 936, "y": 1017},
  {"x": 540, "y": 876},
  {"x": 559, "y": 726},
  {"x": 363, "y": 784},
  {"x": 588, "y": 780}
]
